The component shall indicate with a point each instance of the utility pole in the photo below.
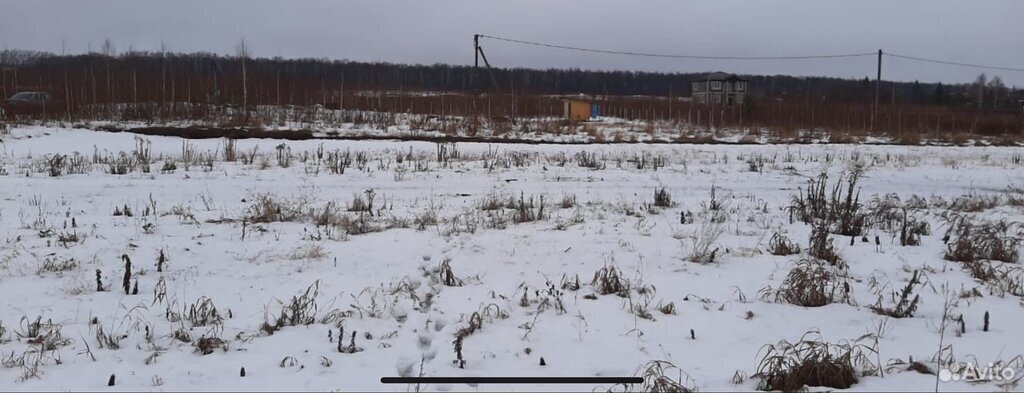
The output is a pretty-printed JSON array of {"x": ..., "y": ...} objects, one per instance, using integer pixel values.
[
  {"x": 476, "y": 62},
  {"x": 878, "y": 87},
  {"x": 480, "y": 53}
]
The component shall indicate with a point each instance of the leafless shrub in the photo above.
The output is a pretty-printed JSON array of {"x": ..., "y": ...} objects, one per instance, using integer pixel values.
[
  {"x": 811, "y": 283},
  {"x": 813, "y": 362},
  {"x": 704, "y": 238},
  {"x": 662, "y": 198},
  {"x": 780, "y": 245},
  {"x": 589, "y": 160}
]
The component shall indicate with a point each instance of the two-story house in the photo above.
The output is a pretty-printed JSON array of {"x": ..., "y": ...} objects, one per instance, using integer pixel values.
[{"x": 719, "y": 88}]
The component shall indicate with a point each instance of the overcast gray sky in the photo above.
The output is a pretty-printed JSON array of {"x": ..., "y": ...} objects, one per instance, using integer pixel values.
[{"x": 981, "y": 32}]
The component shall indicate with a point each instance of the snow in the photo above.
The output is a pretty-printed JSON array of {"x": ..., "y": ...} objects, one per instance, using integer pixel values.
[{"x": 366, "y": 279}]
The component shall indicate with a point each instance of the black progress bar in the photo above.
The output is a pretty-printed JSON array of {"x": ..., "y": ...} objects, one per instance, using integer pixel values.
[{"x": 512, "y": 380}]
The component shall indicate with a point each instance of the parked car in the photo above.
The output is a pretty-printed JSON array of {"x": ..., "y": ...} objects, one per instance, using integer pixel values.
[{"x": 27, "y": 103}]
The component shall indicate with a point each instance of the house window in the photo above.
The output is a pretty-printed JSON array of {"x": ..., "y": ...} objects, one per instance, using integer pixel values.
[
  {"x": 701, "y": 99},
  {"x": 716, "y": 99},
  {"x": 741, "y": 86},
  {"x": 716, "y": 85}
]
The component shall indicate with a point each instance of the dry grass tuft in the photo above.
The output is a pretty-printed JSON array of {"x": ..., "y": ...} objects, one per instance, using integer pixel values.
[
  {"x": 904, "y": 305},
  {"x": 821, "y": 245},
  {"x": 661, "y": 376},
  {"x": 813, "y": 362},
  {"x": 207, "y": 345},
  {"x": 811, "y": 283},
  {"x": 779, "y": 244},
  {"x": 971, "y": 242},
  {"x": 838, "y": 210},
  {"x": 300, "y": 311},
  {"x": 608, "y": 280},
  {"x": 447, "y": 276},
  {"x": 662, "y": 198}
]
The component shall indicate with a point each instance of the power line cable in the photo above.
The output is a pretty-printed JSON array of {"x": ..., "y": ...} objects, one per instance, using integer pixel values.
[
  {"x": 955, "y": 63},
  {"x": 806, "y": 57},
  {"x": 679, "y": 56}
]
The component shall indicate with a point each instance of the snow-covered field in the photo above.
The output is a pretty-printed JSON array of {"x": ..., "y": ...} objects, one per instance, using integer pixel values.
[{"x": 417, "y": 246}]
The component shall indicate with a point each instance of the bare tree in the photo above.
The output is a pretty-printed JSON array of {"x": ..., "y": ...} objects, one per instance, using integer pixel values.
[
  {"x": 242, "y": 51},
  {"x": 108, "y": 48},
  {"x": 979, "y": 84},
  {"x": 998, "y": 88}
]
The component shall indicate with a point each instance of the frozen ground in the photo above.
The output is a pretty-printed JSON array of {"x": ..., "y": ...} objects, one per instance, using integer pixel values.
[{"x": 254, "y": 235}]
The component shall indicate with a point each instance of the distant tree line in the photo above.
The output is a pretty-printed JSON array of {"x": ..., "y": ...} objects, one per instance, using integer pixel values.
[
  {"x": 108, "y": 76},
  {"x": 164, "y": 86}
]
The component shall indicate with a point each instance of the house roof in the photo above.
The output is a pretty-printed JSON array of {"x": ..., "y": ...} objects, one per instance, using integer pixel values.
[
  {"x": 578, "y": 97},
  {"x": 718, "y": 76}
]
